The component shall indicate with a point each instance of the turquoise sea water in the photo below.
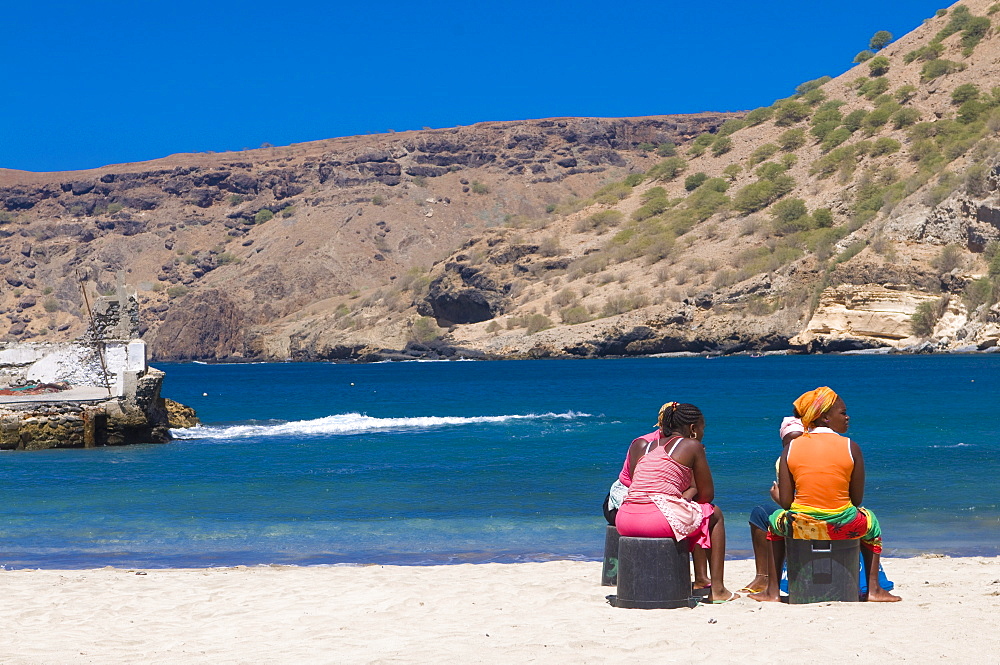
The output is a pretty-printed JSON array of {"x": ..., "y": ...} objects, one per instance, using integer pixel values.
[{"x": 441, "y": 462}]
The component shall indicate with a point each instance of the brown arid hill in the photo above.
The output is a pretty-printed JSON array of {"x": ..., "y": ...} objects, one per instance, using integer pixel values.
[
  {"x": 860, "y": 213},
  {"x": 231, "y": 250}
]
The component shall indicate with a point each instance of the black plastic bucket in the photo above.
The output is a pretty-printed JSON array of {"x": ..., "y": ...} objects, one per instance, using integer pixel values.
[
  {"x": 822, "y": 570},
  {"x": 653, "y": 573}
]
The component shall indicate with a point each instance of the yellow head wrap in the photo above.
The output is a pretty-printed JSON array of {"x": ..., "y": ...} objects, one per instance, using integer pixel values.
[
  {"x": 666, "y": 409},
  {"x": 813, "y": 404}
]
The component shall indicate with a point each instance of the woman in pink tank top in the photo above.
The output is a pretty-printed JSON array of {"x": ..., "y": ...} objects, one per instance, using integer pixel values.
[{"x": 672, "y": 490}]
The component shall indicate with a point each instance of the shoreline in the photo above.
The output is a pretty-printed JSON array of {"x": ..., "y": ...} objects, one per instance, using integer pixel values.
[
  {"x": 64, "y": 564},
  {"x": 391, "y": 356},
  {"x": 553, "y": 612}
]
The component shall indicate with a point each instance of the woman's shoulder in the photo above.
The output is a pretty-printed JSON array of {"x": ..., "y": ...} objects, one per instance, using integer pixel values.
[{"x": 685, "y": 447}]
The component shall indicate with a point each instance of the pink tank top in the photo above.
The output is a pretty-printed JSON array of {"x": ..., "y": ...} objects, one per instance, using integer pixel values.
[
  {"x": 624, "y": 476},
  {"x": 658, "y": 473}
]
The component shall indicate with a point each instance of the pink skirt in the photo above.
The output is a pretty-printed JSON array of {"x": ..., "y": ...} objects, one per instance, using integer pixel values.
[{"x": 644, "y": 520}]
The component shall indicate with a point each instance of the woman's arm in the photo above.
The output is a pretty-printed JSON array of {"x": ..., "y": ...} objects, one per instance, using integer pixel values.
[
  {"x": 786, "y": 484},
  {"x": 702, "y": 473},
  {"x": 857, "y": 489},
  {"x": 635, "y": 453}
]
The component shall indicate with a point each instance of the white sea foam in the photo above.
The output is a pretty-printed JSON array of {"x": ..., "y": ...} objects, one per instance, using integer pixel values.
[{"x": 355, "y": 423}]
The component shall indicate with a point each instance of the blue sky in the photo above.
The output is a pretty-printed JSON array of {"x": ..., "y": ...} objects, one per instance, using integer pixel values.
[{"x": 105, "y": 82}]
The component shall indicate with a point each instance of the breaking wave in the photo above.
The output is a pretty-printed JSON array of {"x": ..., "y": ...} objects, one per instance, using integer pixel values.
[{"x": 354, "y": 423}]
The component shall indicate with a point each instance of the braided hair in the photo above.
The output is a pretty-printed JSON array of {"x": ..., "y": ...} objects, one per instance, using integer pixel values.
[{"x": 673, "y": 416}]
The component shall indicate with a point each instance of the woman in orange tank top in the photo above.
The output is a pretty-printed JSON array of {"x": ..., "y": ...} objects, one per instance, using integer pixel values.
[{"x": 821, "y": 485}]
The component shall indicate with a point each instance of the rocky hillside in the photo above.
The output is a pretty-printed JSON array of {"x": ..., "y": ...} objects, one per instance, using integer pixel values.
[
  {"x": 861, "y": 212},
  {"x": 224, "y": 246}
]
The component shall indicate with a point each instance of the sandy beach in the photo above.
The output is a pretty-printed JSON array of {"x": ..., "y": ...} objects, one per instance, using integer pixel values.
[{"x": 551, "y": 612}]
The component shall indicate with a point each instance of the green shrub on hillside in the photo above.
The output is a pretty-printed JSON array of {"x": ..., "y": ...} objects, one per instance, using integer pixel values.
[
  {"x": 612, "y": 193},
  {"x": 925, "y": 153},
  {"x": 706, "y": 200},
  {"x": 721, "y": 146},
  {"x": 949, "y": 258},
  {"x": 537, "y": 323},
  {"x": 600, "y": 221},
  {"x": 828, "y": 112},
  {"x": 758, "y": 195},
  {"x": 964, "y": 93},
  {"x": 835, "y": 138},
  {"x": 970, "y": 111},
  {"x": 653, "y": 193},
  {"x": 880, "y": 40},
  {"x": 935, "y": 68},
  {"x": 931, "y": 51},
  {"x": 813, "y": 97},
  {"x": 854, "y": 120},
  {"x": 263, "y": 215},
  {"x": 879, "y": 117},
  {"x": 809, "y": 86},
  {"x": 762, "y": 153},
  {"x": 574, "y": 314},
  {"x": 730, "y": 126},
  {"x": 960, "y": 19},
  {"x": 983, "y": 291},
  {"x": 758, "y": 116},
  {"x": 905, "y": 117},
  {"x": 822, "y": 129},
  {"x": 863, "y": 56},
  {"x": 789, "y": 112},
  {"x": 872, "y": 88},
  {"x": 634, "y": 179},
  {"x": 652, "y": 208},
  {"x": 974, "y": 33},
  {"x": 770, "y": 170},
  {"x": 878, "y": 66},
  {"x": 620, "y": 304},
  {"x": 732, "y": 171},
  {"x": 700, "y": 144},
  {"x": 791, "y": 139},
  {"x": 926, "y": 316},
  {"x": 790, "y": 216},
  {"x": 822, "y": 218},
  {"x": 693, "y": 181},
  {"x": 842, "y": 159},
  {"x": 666, "y": 149},
  {"x": 668, "y": 169},
  {"x": 885, "y": 146},
  {"x": 905, "y": 93}
]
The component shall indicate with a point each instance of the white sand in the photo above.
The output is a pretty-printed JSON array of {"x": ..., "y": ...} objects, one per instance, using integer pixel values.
[{"x": 488, "y": 613}]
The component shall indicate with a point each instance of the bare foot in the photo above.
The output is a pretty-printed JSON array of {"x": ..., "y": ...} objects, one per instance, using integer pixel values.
[
  {"x": 702, "y": 584},
  {"x": 880, "y": 595},
  {"x": 758, "y": 584},
  {"x": 765, "y": 597}
]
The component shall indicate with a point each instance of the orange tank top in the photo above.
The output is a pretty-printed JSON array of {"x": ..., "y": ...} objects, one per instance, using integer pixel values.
[{"x": 821, "y": 465}]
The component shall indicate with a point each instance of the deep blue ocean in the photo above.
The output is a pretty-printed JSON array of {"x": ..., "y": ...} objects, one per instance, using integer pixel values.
[{"x": 449, "y": 462}]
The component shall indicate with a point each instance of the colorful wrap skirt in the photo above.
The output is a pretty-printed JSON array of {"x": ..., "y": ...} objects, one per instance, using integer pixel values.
[{"x": 807, "y": 523}]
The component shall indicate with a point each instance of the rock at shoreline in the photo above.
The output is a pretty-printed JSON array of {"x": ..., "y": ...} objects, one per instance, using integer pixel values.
[{"x": 180, "y": 416}]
